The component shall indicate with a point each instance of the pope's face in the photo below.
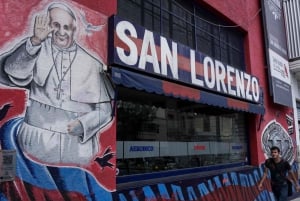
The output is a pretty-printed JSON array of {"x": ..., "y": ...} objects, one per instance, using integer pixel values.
[{"x": 63, "y": 26}]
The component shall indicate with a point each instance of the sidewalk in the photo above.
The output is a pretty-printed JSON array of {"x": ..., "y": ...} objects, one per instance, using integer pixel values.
[{"x": 295, "y": 197}]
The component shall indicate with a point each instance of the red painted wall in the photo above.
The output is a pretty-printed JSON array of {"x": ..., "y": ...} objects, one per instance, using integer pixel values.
[
  {"x": 60, "y": 179},
  {"x": 103, "y": 6},
  {"x": 248, "y": 15}
]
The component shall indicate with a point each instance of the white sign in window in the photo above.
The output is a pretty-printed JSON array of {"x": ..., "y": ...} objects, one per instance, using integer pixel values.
[
  {"x": 173, "y": 149},
  {"x": 198, "y": 148},
  {"x": 141, "y": 149}
]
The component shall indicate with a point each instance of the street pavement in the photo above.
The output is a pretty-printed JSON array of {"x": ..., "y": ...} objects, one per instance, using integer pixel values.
[{"x": 295, "y": 197}]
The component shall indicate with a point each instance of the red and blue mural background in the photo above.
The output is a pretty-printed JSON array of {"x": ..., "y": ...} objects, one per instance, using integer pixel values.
[
  {"x": 232, "y": 185},
  {"x": 41, "y": 181}
]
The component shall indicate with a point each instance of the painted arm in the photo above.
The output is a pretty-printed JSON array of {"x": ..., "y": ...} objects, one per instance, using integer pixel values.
[
  {"x": 20, "y": 62},
  {"x": 86, "y": 126},
  {"x": 89, "y": 124}
]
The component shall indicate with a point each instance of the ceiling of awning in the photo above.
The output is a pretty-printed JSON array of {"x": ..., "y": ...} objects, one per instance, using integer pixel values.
[{"x": 154, "y": 85}]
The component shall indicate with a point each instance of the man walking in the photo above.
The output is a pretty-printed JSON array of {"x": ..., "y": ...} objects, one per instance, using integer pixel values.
[{"x": 279, "y": 169}]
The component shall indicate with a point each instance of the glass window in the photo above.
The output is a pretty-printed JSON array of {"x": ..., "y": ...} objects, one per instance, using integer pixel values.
[
  {"x": 156, "y": 133},
  {"x": 189, "y": 24},
  {"x": 298, "y": 110}
]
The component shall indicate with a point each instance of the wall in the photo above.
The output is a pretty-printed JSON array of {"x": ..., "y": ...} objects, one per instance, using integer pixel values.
[
  {"x": 247, "y": 14},
  {"x": 38, "y": 179},
  {"x": 233, "y": 185},
  {"x": 56, "y": 101},
  {"x": 276, "y": 125}
]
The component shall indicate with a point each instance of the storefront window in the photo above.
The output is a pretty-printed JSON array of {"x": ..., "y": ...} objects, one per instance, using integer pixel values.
[{"x": 156, "y": 133}]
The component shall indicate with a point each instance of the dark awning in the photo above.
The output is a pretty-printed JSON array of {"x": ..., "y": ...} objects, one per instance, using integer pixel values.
[{"x": 153, "y": 85}]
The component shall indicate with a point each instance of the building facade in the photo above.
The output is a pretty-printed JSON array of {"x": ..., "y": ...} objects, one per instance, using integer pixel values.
[
  {"x": 135, "y": 100},
  {"x": 291, "y": 10}
]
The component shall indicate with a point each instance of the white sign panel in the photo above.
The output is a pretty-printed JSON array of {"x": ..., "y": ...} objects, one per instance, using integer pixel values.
[
  {"x": 276, "y": 50},
  {"x": 279, "y": 67},
  {"x": 237, "y": 148},
  {"x": 198, "y": 148},
  {"x": 219, "y": 148},
  {"x": 160, "y": 56},
  {"x": 141, "y": 149},
  {"x": 120, "y": 148},
  {"x": 173, "y": 149}
]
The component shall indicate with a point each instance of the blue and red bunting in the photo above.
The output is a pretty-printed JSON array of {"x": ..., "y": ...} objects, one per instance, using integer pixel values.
[{"x": 42, "y": 182}]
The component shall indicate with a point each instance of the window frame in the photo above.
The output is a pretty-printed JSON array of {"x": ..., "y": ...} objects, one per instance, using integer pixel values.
[{"x": 219, "y": 33}]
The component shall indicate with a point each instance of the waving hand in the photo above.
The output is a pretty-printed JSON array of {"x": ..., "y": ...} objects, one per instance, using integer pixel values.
[{"x": 41, "y": 29}]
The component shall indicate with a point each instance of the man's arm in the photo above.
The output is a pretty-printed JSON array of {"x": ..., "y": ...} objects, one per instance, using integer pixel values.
[
  {"x": 260, "y": 184},
  {"x": 295, "y": 180}
]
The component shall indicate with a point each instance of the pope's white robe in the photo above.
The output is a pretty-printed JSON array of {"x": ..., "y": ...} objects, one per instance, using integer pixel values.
[{"x": 64, "y": 85}]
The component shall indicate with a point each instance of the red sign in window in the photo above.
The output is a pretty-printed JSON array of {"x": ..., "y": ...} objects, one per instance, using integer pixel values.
[{"x": 199, "y": 147}]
